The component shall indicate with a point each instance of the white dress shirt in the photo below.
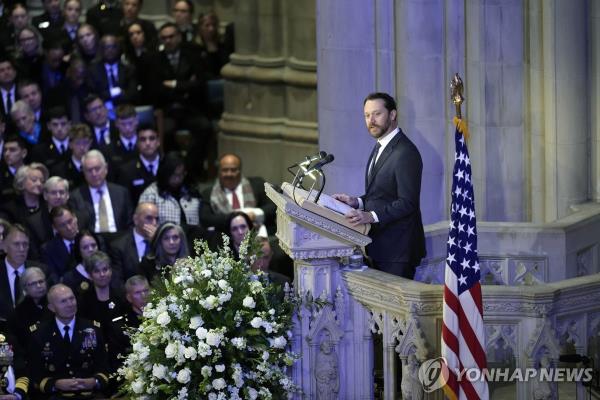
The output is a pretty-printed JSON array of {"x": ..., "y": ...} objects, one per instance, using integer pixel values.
[{"x": 61, "y": 328}]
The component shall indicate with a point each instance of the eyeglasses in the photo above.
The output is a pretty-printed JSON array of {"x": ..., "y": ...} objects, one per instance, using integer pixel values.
[{"x": 41, "y": 282}]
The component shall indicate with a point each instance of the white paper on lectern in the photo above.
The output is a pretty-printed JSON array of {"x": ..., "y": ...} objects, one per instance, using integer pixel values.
[{"x": 325, "y": 200}]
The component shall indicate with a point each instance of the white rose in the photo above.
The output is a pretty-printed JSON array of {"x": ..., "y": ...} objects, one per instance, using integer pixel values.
[
  {"x": 223, "y": 284},
  {"x": 163, "y": 319},
  {"x": 249, "y": 302},
  {"x": 201, "y": 333},
  {"x": 219, "y": 383},
  {"x": 224, "y": 297},
  {"x": 219, "y": 368},
  {"x": 159, "y": 371},
  {"x": 256, "y": 322},
  {"x": 213, "y": 339},
  {"x": 206, "y": 371},
  {"x": 204, "y": 349},
  {"x": 184, "y": 375},
  {"x": 212, "y": 396},
  {"x": 171, "y": 350},
  {"x": 210, "y": 302},
  {"x": 279, "y": 342},
  {"x": 190, "y": 353},
  {"x": 196, "y": 321},
  {"x": 137, "y": 386},
  {"x": 207, "y": 273}
]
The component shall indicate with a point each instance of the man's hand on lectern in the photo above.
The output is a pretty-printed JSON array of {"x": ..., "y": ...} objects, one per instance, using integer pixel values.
[
  {"x": 344, "y": 198},
  {"x": 358, "y": 217}
]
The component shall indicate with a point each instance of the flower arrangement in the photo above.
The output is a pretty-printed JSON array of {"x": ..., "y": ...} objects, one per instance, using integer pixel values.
[{"x": 212, "y": 330}]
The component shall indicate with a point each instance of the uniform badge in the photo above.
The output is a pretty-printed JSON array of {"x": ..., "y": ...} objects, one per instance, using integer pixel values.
[
  {"x": 84, "y": 285},
  {"x": 6, "y": 352},
  {"x": 111, "y": 305},
  {"x": 89, "y": 339}
]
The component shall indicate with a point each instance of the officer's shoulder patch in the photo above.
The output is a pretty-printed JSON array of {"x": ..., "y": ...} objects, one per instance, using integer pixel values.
[
  {"x": 33, "y": 328},
  {"x": 96, "y": 324}
]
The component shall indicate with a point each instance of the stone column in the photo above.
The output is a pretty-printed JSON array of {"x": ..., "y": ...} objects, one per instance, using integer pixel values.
[
  {"x": 594, "y": 85},
  {"x": 270, "y": 88}
]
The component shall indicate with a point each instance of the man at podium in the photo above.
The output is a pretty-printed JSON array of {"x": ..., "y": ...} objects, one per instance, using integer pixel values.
[{"x": 392, "y": 191}]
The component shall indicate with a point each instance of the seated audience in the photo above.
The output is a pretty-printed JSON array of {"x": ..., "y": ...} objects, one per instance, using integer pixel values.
[
  {"x": 4, "y": 226},
  {"x": 53, "y": 67},
  {"x": 132, "y": 245},
  {"x": 183, "y": 15},
  {"x": 32, "y": 309},
  {"x": 215, "y": 50},
  {"x": 18, "y": 19},
  {"x": 55, "y": 149},
  {"x": 28, "y": 184},
  {"x": 17, "y": 383},
  {"x": 29, "y": 54},
  {"x": 67, "y": 355},
  {"x": 59, "y": 253},
  {"x": 123, "y": 149},
  {"x": 138, "y": 173},
  {"x": 67, "y": 32},
  {"x": 86, "y": 244},
  {"x": 96, "y": 114},
  {"x": 24, "y": 119},
  {"x": 30, "y": 92},
  {"x": 8, "y": 87},
  {"x": 105, "y": 205},
  {"x": 12, "y": 267},
  {"x": 50, "y": 19},
  {"x": 113, "y": 80},
  {"x": 72, "y": 92},
  {"x": 143, "y": 56},
  {"x": 176, "y": 201},
  {"x": 87, "y": 45},
  {"x": 14, "y": 155},
  {"x": 264, "y": 262},
  {"x": 104, "y": 300},
  {"x": 131, "y": 15},
  {"x": 169, "y": 244},
  {"x": 80, "y": 142},
  {"x": 240, "y": 225},
  {"x": 105, "y": 16},
  {"x": 233, "y": 191}
]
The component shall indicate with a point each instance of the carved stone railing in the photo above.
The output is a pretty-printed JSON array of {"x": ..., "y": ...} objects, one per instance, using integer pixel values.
[{"x": 522, "y": 325}]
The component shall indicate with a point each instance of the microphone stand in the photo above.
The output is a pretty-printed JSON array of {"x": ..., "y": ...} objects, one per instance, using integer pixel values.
[{"x": 321, "y": 186}]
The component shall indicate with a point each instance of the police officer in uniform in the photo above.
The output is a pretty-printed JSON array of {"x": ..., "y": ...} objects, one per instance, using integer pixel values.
[{"x": 68, "y": 356}]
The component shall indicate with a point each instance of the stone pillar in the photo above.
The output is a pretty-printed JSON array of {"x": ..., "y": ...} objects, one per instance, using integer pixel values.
[
  {"x": 594, "y": 87},
  {"x": 270, "y": 88}
]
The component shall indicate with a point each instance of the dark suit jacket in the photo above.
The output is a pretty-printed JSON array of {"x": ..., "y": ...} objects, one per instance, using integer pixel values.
[
  {"x": 134, "y": 176},
  {"x": 46, "y": 152},
  {"x": 98, "y": 81},
  {"x": 66, "y": 169},
  {"x": 6, "y": 304},
  {"x": 81, "y": 200},
  {"x": 124, "y": 256},
  {"x": 57, "y": 257},
  {"x": 394, "y": 195},
  {"x": 117, "y": 156},
  {"x": 210, "y": 217}
]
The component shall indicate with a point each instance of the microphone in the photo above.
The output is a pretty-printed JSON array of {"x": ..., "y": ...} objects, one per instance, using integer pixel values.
[
  {"x": 310, "y": 159},
  {"x": 574, "y": 358},
  {"x": 323, "y": 162}
]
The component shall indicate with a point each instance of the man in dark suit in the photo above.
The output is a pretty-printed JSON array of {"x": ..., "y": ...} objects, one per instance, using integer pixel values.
[
  {"x": 8, "y": 87},
  {"x": 129, "y": 248},
  {"x": 232, "y": 191},
  {"x": 56, "y": 193},
  {"x": 31, "y": 92},
  {"x": 123, "y": 149},
  {"x": 109, "y": 77},
  {"x": 58, "y": 253},
  {"x": 107, "y": 205},
  {"x": 102, "y": 128},
  {"x": 138, "y": 173},
  {"x": 80, "y": 142},
  {"x": 391, "y": 202},
  {"x": 50, "y": 19},
  {"x": 67, "y": 355},
  {"x": 14, "y": 153},
  {"x": 131, "y": 14},
  {"x": 12, "y": 266}
]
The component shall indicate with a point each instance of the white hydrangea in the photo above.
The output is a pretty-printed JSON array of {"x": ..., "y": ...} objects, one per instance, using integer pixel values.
[
  {"x": 182, "y": 394},
  {"x": 210, "y": 302},
  {"x": 265, "y": 355},
  {"x": 219, "y": 383},
  {"x": 239, "y": 343},
  {"x": 237, "y": 376},
  {"x": 138, "y": 386},
  {"x": 213, "y": 338},
  {"x": 248, "y": 302},
  {"x": 219, "y": 368},
  {"x": 279, "y": 342},
  {"x": 252, "y": 393},
  {"x": 184, "y": 375},
  {"x": 206, "y": 273},
  {"x": 163, "y": 319},
  {"x": 224, "y": 297},
  {"x": 268, "y": 327},
  {"x": 223, "y": 284},
  {"x": 196, "y": 321},
  {"x": 201, "y": 333},
  {"x": 204, "y": 350}
]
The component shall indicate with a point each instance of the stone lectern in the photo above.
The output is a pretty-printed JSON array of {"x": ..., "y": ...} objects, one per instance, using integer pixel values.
[{"x": 336, "y": 359}]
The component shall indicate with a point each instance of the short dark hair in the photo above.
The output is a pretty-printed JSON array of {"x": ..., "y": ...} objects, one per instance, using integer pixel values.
[
  {"x": 388, "y": 100},
  {"x": 90, "y": 98},
  {"x": 59, "y": 211},
  {"x": 168, "y": 25},
  {"x": 146, "y": 126},
  {"x": 125, "y": 111},
  {"x": 167, "y": 166},
  {"x": 189, "y": 3},
  {"x": 17, "y": 139},
  {"x": 56, "y": 112}
]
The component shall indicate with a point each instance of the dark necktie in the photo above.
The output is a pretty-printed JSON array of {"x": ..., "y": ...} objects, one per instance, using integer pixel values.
[
  {"x": 146, "y": 247},
  {"x": 66, "y": 338},
  {"x": 151, "y": 169},
  {"x": 235, "y": 202},
  {"x": 102, "y": 136},
  {"x": 70, "y": 248},
  {"x": 130, "y": 146},
  {"x": 9, "y": 102},
  {"x": 16, "y": 287},
  {"x": 373, "y": 160},
  {"x": 112, "y": 80},
  {"x": 62, "y": 148}
]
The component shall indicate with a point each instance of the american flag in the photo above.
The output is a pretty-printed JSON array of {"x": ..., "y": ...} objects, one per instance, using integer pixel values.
[{"x": 463, "y": 341}]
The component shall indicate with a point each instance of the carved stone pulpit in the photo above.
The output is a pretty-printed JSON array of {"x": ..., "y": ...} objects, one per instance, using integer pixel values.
[{"x": 336, "y": 359}]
